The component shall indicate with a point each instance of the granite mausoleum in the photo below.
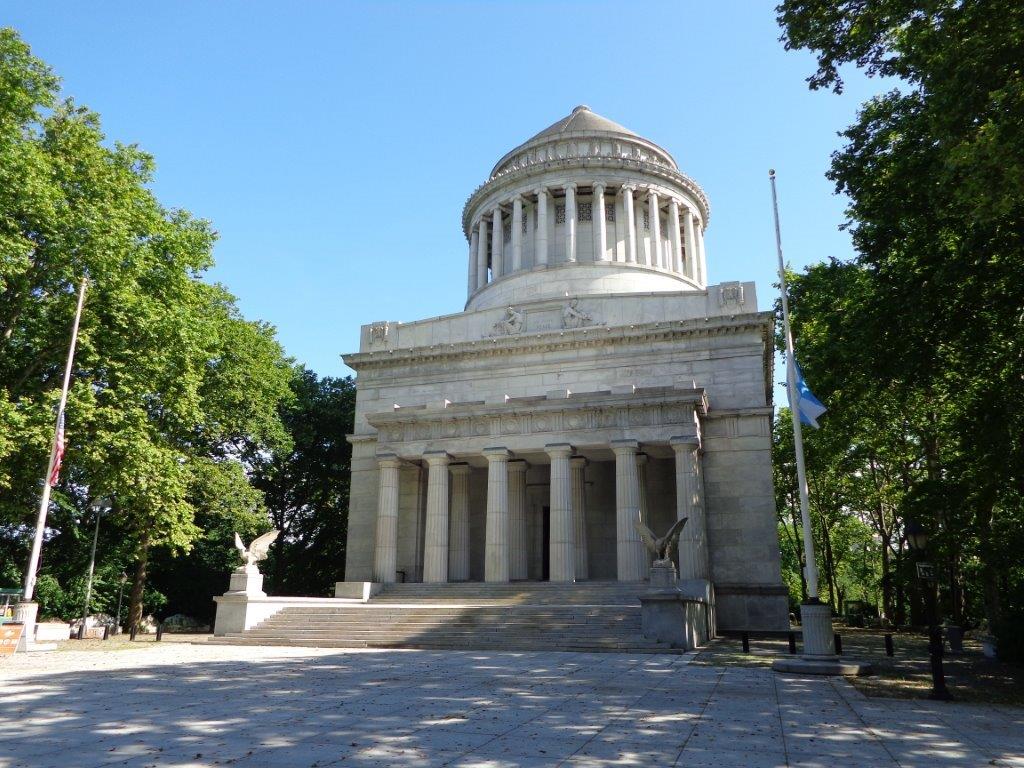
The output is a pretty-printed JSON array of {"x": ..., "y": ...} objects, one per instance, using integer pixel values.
[{"x": 593, "y": 376}]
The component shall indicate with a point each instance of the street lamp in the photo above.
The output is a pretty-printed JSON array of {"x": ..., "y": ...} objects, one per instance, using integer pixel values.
[
  {"x": 98, "y": 507},
  {"x": 917, "y": 538}
]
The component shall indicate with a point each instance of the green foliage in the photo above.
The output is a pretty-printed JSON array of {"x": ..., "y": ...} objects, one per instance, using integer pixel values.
[
  {"x": 174, "y": 392},
  {"x": 307, "y": 488},
  {"x": 916, "y": 347}
]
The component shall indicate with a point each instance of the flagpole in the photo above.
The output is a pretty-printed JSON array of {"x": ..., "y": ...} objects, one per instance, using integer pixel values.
[
  {"x": 44, "y": 502},
  {"x": 811, "y": 569}
]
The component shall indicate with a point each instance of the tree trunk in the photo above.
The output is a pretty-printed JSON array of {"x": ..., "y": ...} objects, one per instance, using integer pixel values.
[
  {"x": 989, "y": 569},
  {"x": 900, "y": 613},
  {"x": 138, "y": 584},
  {"x": 888, "y": 613}
]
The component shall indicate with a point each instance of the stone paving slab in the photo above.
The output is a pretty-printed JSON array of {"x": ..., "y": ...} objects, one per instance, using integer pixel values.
[{"x": 183, "y": 706}]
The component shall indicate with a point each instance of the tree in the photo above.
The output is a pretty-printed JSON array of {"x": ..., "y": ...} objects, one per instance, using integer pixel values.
[
  {"x": 173, "y": 390},
  {"x": 934, "y": 170},
  {"x": 306, "y": 485}
]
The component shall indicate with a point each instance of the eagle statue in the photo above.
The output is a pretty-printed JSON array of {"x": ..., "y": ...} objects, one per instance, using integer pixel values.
[
  {"x": 660, "y": 548},
  {"x": 256, "y": 552}
]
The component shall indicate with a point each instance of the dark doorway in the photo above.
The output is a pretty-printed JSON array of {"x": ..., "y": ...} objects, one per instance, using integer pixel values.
[{"x": 546, "y": 546}]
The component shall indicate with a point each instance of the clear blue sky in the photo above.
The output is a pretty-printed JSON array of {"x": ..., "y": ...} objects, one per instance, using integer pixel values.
[{"x": 333, "y": 144}]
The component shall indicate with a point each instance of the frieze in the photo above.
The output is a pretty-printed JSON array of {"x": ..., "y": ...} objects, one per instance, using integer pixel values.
[{"x": 424, "y": 426}]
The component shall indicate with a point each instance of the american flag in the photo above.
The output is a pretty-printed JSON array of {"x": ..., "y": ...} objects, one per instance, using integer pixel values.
[{"x": 58, "y": 453}]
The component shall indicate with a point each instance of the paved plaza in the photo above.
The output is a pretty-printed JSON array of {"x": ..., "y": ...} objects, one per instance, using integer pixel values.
[{"x": 176, "y": 704}]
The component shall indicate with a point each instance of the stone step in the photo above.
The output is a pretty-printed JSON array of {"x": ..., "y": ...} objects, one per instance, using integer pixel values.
[{"x": 420, "y": 645}]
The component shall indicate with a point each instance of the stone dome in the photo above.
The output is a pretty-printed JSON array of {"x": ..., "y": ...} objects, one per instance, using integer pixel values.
[{"x": 534, "y": 234}]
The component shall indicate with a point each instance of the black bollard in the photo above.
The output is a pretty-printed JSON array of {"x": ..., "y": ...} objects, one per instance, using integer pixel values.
[
  {"x": 792, "y": 642},
  {"x": 746, "y": 642},
  {"x": 888, "y": 645},
  {"x": 106, "y": 631},
  {"x": 159, "y": 632},
  {"x": 839, "y": 644},
  {"x": 131, "y": 636}
]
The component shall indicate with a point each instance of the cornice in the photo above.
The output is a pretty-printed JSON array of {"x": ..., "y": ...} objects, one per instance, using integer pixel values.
[{"x": 550, "y": 341}]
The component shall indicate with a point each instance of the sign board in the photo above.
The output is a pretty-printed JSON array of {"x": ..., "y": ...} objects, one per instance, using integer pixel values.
[
  {"x": 10, "y": 634},
  {"x": 926, "y": 571}
]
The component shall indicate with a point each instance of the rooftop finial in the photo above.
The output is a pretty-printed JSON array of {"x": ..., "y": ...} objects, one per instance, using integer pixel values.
[{"x": 581, "y": 108}]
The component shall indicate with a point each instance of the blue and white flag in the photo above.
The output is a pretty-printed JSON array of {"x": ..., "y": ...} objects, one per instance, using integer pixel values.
[{"x": 807, "y": 405}]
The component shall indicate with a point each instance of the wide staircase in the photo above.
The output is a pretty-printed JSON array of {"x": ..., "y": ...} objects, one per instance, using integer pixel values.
[{"x": 589, "y": 616}]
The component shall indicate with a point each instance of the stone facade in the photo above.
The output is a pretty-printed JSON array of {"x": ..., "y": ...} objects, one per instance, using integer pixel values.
[{"x": 593, "y": 376}]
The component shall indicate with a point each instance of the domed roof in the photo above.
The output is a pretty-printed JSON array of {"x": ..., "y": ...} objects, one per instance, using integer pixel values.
[
  {"x": 582, "y": 123},
  {"x": 581, "y": 120}
]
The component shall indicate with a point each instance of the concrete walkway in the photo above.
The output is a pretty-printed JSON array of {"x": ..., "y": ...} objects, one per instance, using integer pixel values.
[{"x": 184, "y": 705}]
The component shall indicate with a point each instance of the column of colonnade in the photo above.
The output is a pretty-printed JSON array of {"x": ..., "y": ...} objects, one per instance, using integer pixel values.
[
  {"x": 458, "y": 539},
  {"x": 517, "y": 519},
  {"x": 446, "y": 534},
  {"x": 579, "y": 515},
  {"x": 630, "y": 555},
  {"x": 562, "y": 549},
  {"x": 435, "y": 537},
  {"x": 496, "y": 550},
  {"x": 693, "y": 545},
  {"x": 683, "y": 254}
]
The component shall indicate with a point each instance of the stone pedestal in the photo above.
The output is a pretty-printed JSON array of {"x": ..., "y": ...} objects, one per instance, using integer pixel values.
[
  {"x": 663, "y": 575},
  {"x": 819, "y": 656},
  {"x": 26, "y": 613},
  {"x": 243, "y": 583},
  {"x": 816, "y": 620},
  {"x": 670, "y": 617}
]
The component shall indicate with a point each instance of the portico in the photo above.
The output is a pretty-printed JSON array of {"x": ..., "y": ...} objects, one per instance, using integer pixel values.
[{"x": 559, "y": 441}]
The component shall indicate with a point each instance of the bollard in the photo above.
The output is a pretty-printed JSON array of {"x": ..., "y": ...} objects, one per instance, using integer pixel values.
[
  {"x": 746, "y": 642},
  {"x": 839, "y": 644},
  {"x": 888, "y": 645},
  {"x": 159, "y": 632},
  {"x": 792, "y": 642},
  {"x": 81, "y": 631},
  {"x": 131, "y": 636},
  {"x": 106, "y": 631}
]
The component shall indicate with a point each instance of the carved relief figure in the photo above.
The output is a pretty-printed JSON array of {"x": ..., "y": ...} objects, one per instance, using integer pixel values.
[
  {"x": 511, "y": 324},
  {"x": 573, "y": 316}
]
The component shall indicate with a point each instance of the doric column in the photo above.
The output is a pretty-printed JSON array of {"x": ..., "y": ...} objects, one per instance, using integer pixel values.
[
  {"x": 579, "y": 515},
  {"x": 570, "y": 222},
  {"x": 630, "y": 555},
  {"x": 481, "y": 253},
  {"x": 540, "y": 248},
  {"x": 702, "y": 262},
  {"x": 458, "y": 537},
  {"x": 517, "y": 233},
  {"x": 497, "y": 238},
  {"x": 472, "y": 261},
  {"x": 385, "y": 558},
  {"x": 435, "y": 537},
  {"x": 675, "y": 263},
  {"x": 517, "y": 519},
  {"x": 693, "y": 545},
  {"x": 598, "y": 223},
  {"x": 630, "y": 216},
  {"x": 691, "y": 245},
  {"x": 496, "y": 558},
  {"x": 563, "y": 551},
  {"x": 645, "y": 515},
  {"x": 654, "y": 213}
]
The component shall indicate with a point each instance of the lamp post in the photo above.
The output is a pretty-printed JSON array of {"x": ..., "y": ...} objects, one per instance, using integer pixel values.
[
  {"x": 917, "y": 538},
  {"x": 99, "y": 506},
  {"x": 120, "y": 594}
]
